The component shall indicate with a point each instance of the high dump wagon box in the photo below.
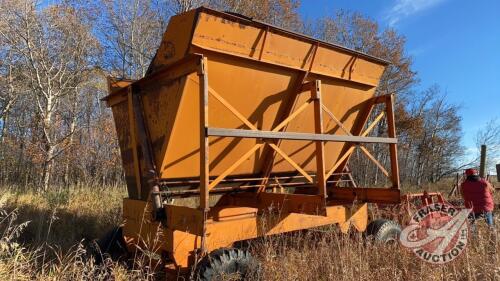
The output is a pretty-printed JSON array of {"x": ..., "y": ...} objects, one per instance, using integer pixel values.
[{"x": 245, "y": 118}]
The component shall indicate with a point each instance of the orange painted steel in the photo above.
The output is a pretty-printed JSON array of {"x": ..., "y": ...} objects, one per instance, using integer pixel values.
[{"x": 234, "y": 107}]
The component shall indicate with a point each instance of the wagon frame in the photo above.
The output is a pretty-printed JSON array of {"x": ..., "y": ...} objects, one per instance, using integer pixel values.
[{"x": 183, "y": 234}]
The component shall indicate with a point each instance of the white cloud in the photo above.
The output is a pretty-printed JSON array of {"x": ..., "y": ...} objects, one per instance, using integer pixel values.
[{"x": 406, "y": 8}]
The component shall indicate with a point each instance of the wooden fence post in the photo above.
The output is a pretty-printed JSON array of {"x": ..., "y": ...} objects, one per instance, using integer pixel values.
[{"x": 482, "y": 165}]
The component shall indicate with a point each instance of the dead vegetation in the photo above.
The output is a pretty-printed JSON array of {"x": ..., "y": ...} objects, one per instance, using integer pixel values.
[
  {"x": 46, "y": 237},
  {"x": 57, "y": 135}
]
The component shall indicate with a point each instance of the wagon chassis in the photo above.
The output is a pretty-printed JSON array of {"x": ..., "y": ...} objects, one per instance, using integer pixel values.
[
  {"x": 314, "y": 195},
  {"x": 251, "y": 205}
]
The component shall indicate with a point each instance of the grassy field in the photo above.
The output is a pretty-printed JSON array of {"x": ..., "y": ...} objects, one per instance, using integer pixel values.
[{"x": 46, "y": 237}]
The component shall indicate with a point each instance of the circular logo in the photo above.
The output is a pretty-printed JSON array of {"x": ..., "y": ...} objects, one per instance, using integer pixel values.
[{"x": 437, "y": 233}]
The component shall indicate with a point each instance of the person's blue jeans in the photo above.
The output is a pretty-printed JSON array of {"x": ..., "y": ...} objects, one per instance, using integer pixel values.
[{"x": 488, "y": 216}]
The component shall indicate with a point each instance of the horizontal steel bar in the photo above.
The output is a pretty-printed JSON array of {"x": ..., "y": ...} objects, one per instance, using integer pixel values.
[
  {"x": 232, "y": 180},
  {"x": 229, "y": 189},
  {"x": 367, "y": 195},
  {"x": 238, "y": 133}
]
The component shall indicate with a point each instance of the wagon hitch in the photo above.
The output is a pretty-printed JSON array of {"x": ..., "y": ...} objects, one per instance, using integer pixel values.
[
  {"x": 420, "y": 200},
  {"x": 426, "y": 198}
]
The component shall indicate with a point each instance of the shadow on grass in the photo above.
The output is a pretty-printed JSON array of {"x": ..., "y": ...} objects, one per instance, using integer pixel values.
[{"x": 63, "y": 227}]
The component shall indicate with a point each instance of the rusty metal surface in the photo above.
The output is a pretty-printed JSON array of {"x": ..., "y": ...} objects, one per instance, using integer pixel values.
[
  {"x": 221, "y": 32},
  {"x": 180, "y": 236},
  {"x": 256, "y": 92},
  {"x": 256, "y": 78},
  {"x": 254, "y": 84}
]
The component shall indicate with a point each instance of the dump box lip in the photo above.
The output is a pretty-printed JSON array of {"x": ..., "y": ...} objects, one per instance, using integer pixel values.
[
  {"x": 261, "y": 24},
  {"x": 298, "y": 35},
  {"x": 148, "y": 77}
]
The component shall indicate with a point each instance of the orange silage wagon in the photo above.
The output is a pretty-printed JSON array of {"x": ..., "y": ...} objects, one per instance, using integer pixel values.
[{"x": 248, "y": 119}]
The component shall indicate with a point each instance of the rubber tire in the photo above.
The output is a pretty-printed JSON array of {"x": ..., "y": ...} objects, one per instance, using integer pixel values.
[
  {"x": 383, "y": 231},
  {"x": 111, "y": 245},
  {"x": 224, "y": 261}
]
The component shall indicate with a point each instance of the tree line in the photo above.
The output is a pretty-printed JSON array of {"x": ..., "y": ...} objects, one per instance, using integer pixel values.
[{"x": 54, "y": 58}]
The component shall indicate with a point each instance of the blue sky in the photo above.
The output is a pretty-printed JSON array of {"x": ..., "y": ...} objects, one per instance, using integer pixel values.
[{"x": 454, "y": 43}]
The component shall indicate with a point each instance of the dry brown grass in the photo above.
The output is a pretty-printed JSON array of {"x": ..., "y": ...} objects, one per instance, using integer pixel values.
[
  {"x": 333, "y": 256},
  {"x": 66, "y": 217},
  {"x": 46, "y": 237}
]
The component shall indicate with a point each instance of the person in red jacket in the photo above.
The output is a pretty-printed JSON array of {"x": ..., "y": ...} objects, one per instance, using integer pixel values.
[{"x": 478, "y": 196}]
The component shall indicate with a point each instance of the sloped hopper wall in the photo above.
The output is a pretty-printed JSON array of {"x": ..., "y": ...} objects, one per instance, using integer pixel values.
[{"x": 254, "y": 68}]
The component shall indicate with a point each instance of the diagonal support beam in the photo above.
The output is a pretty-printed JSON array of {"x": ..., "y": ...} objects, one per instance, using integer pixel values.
[
  {"x": 340, "y": 161},
  {"x": 337, "y": 121},
  {"x": 293, "y": 163},
  {"x": 233, "y": 110},
  {"x": 373, "y": 124},
  {"x": 388, "y": 100},
  {"x": 292, "y": 116},
  {"x": 351, "y": 149},
  {"x": 374, "y": 160},
  {"x": 235, "y": 165},
  {"x": 358, "y": 128},
  {"x": 268, "y": 156}
]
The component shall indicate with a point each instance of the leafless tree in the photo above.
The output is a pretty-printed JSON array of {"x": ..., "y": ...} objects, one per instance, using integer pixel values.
[
  {"x": 56, "y": 50},
  {"x": 360, "y": 33},
  {"x": 132, "y": 31},
  {"x": 181, "y": 6},
  {"x": 283, "y": 13},
  {"x": 489, "y": 135},
  {"x": 54, "y": 58}
]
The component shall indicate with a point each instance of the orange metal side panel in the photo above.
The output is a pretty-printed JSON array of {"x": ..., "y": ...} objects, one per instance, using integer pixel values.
[
  {"x": 115, "y": 85},
  {"x": 260, "y": 107},
  {"x": 162, "y": 109},
  {"x": 226, "y": 225},
  {"x": 257, "y": 92},
  {"x": 254, "y": 68},
  {"x": 345, "y": 102},
  {"x": 122, "y": 125},
  {"x": 215, "y": 31},
  {"x": 223, "y": 35},
  {"x": 175, "y": 41},
  {"x": 139, "y": 227},
  {"x": 219, "y": 236}
]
